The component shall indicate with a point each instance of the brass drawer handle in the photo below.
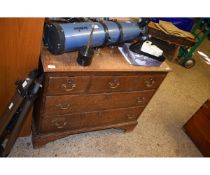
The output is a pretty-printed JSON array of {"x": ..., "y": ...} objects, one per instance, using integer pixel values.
[
  {"x": 149, "y": 83},
  {"x": 114, "y": 84},
  {"x": 60, "y": 125},
  {"x": 140, "y": 99},
  {"x": 69, "y": 86},
  {"x": 63, "y": 107},
  {"x": 131, "y": 116}
]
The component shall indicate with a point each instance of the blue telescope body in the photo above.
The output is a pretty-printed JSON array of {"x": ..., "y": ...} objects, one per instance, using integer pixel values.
[{"x": 65, "y": 37}]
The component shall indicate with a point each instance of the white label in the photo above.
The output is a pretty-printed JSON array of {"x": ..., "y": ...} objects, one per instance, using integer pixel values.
[
  {"x": 51, "y": 66},
  {"x": 11, "y": 105},
  {"x": 24, "y": 84},
  {"x": 96, "y": 27}
]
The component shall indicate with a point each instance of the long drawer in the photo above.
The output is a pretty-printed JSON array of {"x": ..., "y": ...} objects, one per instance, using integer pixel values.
[
  {"x": 67, "y": 104},
  {"x": 125, "y": 83},
  {"x": 92, "y": 119}
]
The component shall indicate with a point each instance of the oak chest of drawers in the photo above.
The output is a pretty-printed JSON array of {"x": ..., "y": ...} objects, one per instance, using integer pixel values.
[{"x": 109, "y": 93}]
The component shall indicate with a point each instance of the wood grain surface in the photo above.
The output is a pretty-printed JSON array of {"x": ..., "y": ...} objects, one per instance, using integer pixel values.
[{"x": 106, "y": 60}]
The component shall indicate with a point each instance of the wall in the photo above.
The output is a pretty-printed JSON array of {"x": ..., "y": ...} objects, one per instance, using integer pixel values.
[{"x": 20, "y": 44}]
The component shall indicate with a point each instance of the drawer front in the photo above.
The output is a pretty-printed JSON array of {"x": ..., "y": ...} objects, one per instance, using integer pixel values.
[
  {"x": 87, "y": 120},
  {"x": 68, "y": 104},
  {"x": 67, "y": 85},
  {"x": 125, "y": 83}
]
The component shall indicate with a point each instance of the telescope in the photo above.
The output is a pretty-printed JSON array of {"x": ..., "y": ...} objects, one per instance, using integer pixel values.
[{"x": 65, "y": 37}]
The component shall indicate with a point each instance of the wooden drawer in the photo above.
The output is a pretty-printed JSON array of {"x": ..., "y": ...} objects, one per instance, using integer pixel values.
[
  {"x": 87, "y": 120},
  {"x": 125, "y": 83},
  {"x": 67, "y": 104},
  {"x": 67, "y": 85},
  {"x": 198, "y": 128}
]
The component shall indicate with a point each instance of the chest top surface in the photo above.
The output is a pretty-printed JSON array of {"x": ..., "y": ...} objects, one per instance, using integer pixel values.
[{"x": 107, "y": 60}]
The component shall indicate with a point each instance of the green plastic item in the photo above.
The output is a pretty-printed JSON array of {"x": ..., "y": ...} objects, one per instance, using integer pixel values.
[{"x": 186, "y": 53}]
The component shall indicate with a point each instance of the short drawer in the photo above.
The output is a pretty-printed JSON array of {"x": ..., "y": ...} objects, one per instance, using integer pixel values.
[
  {"x": 125, "y": 83},
  {"x": 68, "y": 104},
  {"x": 67, "y": 85},
  {"x": 87, "y": 120}
]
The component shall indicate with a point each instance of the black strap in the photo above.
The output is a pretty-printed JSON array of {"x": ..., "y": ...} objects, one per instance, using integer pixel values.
[
  {"x": 107, "y": 36},
  {"x": 121, "y": 32}
]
